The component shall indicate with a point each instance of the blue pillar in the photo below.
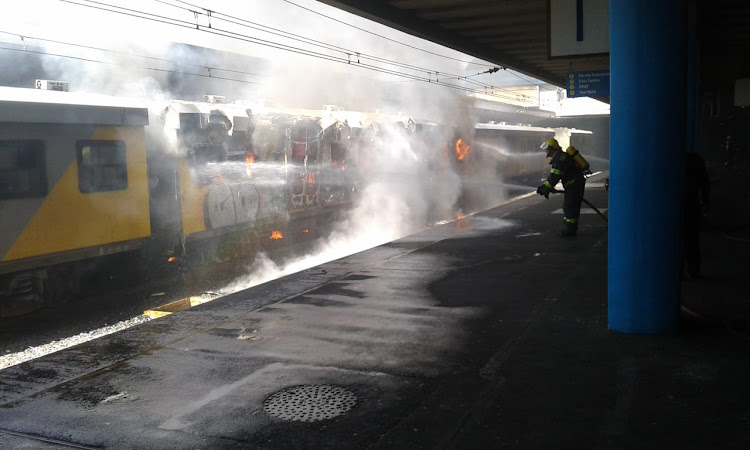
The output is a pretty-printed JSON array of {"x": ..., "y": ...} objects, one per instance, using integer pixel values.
[{"x": 648, "y": 62}]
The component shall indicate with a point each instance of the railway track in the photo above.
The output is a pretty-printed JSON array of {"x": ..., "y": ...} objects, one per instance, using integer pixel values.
[{"x": 113, "y": 304}]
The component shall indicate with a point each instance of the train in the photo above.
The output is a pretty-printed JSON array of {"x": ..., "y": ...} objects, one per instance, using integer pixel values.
[{"x": 90, "y": 181}]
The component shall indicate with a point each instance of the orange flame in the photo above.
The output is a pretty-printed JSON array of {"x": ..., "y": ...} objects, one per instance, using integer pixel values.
[
  {"x": 461, "y": 224},
  {"x": 462, "y": 149},
  {"x": 172, "y": 259},
  {"x": 276, "y": 235},
  {"x": 306, "y": 231},
  {"x": 249, "y": 159}
]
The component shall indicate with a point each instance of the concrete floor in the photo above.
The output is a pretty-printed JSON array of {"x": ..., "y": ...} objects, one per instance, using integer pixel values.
[{"x": 489, "y": 332}]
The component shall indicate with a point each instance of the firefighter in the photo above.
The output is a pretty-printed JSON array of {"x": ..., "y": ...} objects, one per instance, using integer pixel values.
[{"x": 565, "y": 169}]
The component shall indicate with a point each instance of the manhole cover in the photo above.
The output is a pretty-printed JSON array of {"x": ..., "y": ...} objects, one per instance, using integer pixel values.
[{"x": 310, "y": 403}]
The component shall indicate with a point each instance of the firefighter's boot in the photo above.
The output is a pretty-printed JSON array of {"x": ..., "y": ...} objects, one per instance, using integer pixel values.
[{"x": 568, "y": 229}]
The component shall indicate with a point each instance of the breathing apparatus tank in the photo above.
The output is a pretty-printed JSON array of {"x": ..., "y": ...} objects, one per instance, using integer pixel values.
[{"x": 579, "y": 159}]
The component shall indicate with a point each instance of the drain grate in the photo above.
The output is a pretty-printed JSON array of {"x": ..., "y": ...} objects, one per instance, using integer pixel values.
[{"x": 310, "y": 403}]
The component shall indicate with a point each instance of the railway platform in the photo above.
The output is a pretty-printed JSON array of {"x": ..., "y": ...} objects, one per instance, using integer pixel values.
[{"x": 486, "y": 332}]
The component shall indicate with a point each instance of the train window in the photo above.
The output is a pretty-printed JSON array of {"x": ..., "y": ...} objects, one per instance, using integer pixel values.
[
  {"x": 23, "y": 171},
  {"x": 209, "y": 153},
  {"x": 101, "y": 166},
  {"x": 190, "y": 121}
]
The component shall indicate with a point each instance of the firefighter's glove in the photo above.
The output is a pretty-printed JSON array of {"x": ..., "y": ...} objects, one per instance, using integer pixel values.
[{"x": 543, "y": 190}]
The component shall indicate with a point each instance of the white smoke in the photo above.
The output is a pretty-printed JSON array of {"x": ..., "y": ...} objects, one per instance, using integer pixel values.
[
  {"x": 409, "y": 185},
  {"x": 404, "y": 192},
  {"x": 254, "y": 29}
]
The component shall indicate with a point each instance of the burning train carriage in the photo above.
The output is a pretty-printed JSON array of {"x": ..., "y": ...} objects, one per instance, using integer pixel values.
[
  {"x": 86, "y": 180},
  {"x": 377, "y": 140},
  {"x": 491, "y": 156},
  {"x": 412, "y": 158},
  {"x": 246, "y": 179},
  {"x": 95, "y": 183},
  {"x": 316, "y": 156},
  {"x": 513, "y": 150}
]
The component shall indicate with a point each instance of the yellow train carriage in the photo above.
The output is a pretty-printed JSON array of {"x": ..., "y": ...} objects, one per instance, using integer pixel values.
[{"x": 73, "y": 185}]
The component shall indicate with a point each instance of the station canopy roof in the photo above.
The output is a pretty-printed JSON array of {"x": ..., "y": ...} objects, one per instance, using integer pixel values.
[{"x": 515, "y": 34}]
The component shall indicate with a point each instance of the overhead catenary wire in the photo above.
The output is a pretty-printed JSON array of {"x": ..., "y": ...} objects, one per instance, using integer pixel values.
[
  {"x": 530, "y": 81},
  {"x": 153, "y": 58},
  {"x": 387, "y": 38},
  {"x": 518, "y": 95},
  {"x": 447, "y": 76},
  {"x": 233, "y": 35},
  {"x": 226, "y": 33},
  {"x": 191, "y": 25},
  {"x": 512, "y": 72},
  {"x": 177, "y": 72},
  {"x": 209, "y": 13},
  {"x": 209, "y": 75}
]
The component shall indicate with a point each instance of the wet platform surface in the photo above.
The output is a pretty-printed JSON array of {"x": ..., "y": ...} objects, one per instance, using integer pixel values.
[{"x": 488, "y": 332}]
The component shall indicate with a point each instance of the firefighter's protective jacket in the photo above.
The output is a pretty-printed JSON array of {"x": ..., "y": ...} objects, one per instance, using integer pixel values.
[{"x": 564, "y": 169}]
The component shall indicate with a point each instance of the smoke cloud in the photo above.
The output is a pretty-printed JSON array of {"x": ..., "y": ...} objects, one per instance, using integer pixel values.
[{"x": 409, "y": 186}]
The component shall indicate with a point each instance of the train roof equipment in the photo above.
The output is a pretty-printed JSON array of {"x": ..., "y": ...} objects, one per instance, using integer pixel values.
[
  {"x": 357, "y": 119},
  {"x": 504, "y": 126},
  {"x": 23, "y": 105}
]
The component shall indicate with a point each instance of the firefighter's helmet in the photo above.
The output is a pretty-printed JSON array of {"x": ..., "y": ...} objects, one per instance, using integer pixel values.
[{"x": 550, "y": 144}]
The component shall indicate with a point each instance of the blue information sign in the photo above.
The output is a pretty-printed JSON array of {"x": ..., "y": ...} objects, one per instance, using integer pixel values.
[{"x": 588, "y": 84}]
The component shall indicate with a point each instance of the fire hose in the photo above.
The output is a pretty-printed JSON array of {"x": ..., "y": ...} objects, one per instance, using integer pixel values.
[{"x": 555, "y": 191}]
